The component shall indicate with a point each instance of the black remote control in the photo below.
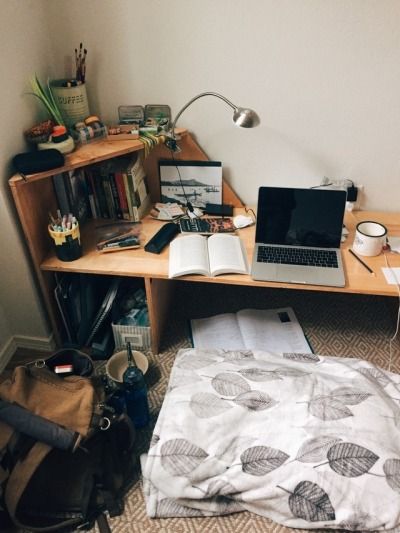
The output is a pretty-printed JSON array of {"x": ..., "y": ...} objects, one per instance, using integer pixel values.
[{"x": 163, "y": 237}]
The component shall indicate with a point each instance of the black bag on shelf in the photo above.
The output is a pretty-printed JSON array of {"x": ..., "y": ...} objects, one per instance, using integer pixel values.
[{"x": 40, "y": 161}]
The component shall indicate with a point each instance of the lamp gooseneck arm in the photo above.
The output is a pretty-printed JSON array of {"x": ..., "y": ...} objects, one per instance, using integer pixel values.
[{"x": 193, "y": 100}]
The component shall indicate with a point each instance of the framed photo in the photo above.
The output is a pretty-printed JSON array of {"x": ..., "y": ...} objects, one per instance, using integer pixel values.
[{"x": 197, "y": 182}]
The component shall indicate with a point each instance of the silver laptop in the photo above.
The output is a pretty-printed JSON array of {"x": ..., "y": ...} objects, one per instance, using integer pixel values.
[{"x": 298, "y": 236}]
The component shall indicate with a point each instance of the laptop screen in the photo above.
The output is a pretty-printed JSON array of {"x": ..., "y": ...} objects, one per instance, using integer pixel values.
[{"x": 300, "y": 217}]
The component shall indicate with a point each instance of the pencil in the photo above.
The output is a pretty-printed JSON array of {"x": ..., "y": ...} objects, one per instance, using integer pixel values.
[{"x": 361, "y": 261}]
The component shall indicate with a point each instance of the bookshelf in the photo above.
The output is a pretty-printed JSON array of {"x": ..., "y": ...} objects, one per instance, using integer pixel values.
[{"x": 35, "y": 197}]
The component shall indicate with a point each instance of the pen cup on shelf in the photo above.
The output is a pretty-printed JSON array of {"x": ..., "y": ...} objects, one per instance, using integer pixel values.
[{"x": 67, "y": 243}]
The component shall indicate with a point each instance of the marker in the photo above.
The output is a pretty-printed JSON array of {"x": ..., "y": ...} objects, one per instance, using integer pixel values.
[{"x": 361, "y": 261}]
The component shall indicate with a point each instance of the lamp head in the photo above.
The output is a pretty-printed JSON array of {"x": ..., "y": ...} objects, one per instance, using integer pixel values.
[{"x": 245, "y": 118}]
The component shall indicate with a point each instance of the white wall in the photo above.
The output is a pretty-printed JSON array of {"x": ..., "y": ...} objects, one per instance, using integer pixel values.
[
  {"x": 324, "y": 76},
  {"x": 26, "y": 48}
]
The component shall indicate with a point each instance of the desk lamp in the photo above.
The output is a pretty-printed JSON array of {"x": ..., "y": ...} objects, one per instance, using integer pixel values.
[{"x": 243, "y": 117}]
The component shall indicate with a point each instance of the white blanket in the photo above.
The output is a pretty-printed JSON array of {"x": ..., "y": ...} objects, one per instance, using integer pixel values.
[{"x": 305, "y": 440}]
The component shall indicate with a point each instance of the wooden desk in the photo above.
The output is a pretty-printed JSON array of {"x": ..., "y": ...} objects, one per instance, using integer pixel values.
[{"x": 154, "y": 268}]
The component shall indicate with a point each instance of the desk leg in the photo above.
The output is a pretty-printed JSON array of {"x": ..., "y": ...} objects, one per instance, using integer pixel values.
[{"x": 159, "y": 295}]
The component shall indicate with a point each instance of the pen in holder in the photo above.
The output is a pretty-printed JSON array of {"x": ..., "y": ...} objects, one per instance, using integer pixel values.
[{"x": 67, "y": 243}]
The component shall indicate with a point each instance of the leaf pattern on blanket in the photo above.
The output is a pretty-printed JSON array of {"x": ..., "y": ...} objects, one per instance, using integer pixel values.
[
  {"x": 260, "y": 460},
  {"x": 376, "y": 375},
  {"x": 302, "y": 357},
  {"x": 291, "y": 372},
  {"x": 255, "y": 400},
  {"x": 311, "y": 503},
  {"x": 349, "y": 395},
  {"x": 391, "y": 467},
  {"x": 259, "y": 374},
  {"x": 182, "y": 381},
  {"x": 231, "y": 448},
  {"x": 229, "y": 384},
  {"x": 356, "y": 522},
  {"x": 194, "y": 363},
  {"x": 350, "y": 460},
  {"x": 170, "y": 507},
  {"x": 327, "y": 408},
  {"x": 207, "y": 405},
  {"x": 315, "y": 449},
  {"x": 238, "y": 355},
  {"x": 180, "y": 457},
  {"x": 220, "y": 487},
  {"x": 154, "y": 440}
]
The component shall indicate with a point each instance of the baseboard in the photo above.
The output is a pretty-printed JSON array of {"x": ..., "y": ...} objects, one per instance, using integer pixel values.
[{"x": 41, "y": 344}]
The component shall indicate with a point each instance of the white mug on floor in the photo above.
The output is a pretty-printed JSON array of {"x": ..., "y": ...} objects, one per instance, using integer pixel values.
[{"x": 370, "y": 238}]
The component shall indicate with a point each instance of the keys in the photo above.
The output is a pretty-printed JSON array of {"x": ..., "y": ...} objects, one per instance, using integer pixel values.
[{"x": 297, "y": 256}]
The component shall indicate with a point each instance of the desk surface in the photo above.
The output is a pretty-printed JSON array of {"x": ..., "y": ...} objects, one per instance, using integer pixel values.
[{"x": 138, "y": 263}]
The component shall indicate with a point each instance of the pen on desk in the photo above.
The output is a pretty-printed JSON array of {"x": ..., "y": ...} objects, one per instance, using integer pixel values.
[{"x": 361, "y": 261}]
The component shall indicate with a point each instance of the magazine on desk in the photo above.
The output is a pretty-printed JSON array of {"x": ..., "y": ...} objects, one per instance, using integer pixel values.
[
  {"x": 209, "y": 256},
  {"x": 275, "y": 330}
]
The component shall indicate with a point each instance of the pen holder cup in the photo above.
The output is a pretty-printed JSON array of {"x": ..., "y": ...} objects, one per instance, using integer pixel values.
[{"x": 67, "y": 243}]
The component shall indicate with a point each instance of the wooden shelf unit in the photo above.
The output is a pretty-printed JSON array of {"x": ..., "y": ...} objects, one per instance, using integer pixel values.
[{"x": 35, "y": 198}]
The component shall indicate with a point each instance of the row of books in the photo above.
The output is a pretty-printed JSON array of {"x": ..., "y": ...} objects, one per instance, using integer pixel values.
[{"x": 115, "y": 189}]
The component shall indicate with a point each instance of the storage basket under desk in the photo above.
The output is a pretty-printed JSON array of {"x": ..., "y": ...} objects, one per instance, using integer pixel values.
[{"x": 138, "y": 336}]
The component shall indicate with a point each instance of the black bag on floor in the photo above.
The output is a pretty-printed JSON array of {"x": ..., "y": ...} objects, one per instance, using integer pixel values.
[{"x": 45, "y": 488}]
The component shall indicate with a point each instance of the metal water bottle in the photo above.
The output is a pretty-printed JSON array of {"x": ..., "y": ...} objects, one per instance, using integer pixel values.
[{"x": 137, "y": 405}]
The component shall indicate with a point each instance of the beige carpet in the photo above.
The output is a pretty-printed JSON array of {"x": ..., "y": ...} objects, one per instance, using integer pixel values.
[{"x": 346, "y": 325}]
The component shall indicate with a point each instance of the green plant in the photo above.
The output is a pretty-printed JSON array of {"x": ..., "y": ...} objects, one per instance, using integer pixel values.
[{"x": 45, "y": 95}]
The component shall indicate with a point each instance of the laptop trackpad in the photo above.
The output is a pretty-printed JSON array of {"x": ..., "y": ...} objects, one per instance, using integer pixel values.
[{"x": 298, "y": 274}]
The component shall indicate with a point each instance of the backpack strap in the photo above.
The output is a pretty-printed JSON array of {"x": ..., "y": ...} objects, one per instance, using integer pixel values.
[{"x": 18, "y": 481}]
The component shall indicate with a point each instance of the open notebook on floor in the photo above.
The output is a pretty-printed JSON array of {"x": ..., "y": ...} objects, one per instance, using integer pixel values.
[
  {"x": 275, "y": 330},
  {"x": 298, "y": 236}
]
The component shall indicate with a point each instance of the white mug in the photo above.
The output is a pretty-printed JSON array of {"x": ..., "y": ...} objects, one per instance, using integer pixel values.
[{"x": 370, "y": 238}]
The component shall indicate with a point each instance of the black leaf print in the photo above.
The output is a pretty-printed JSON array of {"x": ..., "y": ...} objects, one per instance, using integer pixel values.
[
  {"x": 255, "y": 400},
  {"x": 356, "y": 522},
  {"x": 194, "y": 363},
  {"x": 180, "y": 457},
  {"x": 154, "y": 440},
  {"x": 207, "y": 405},
  {"x": 327, "y": 408},
  {"x": 259, "y": 374},
  {"x": 220, "y": 487},
  {"x": 302, "y": 357},
  {"x": 376, "y": 375},
  {"x": 291, "y": 372},
  {"x": 238, "y": 355},
  {"x": 168, "y": 507},
  {"x": 311, "y": 503},
  {"x": 182, "y": 381},
  {"x": 231, "y": 448},
  {"x": 229, "y": 384},
  {"x": 350, "y": 460},
  {"x": 391, "y": 467},
  {"x": 349, "y": 395},
  {"x": 315, "y": 449},
  {"x": 260, "y": 460}
]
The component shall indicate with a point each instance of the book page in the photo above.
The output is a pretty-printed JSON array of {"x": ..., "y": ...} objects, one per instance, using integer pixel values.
[
  {"x": 226, "y": 254},
  {"x": 219, "y": 331},
  {"x": 275, "y": 330},
  {"x": 188, "y": 255}
]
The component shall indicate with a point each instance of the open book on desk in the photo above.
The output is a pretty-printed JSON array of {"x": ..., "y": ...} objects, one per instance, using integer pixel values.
[
  {"x": 275, "y": 330},
  {"x": 209, "y": 256}
]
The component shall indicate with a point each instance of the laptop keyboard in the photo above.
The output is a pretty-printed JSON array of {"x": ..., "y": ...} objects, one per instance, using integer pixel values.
[{"x": 297, "y": 256}]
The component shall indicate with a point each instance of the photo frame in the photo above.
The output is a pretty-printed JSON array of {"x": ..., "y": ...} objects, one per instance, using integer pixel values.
[{"x": 197, "y": 182}]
